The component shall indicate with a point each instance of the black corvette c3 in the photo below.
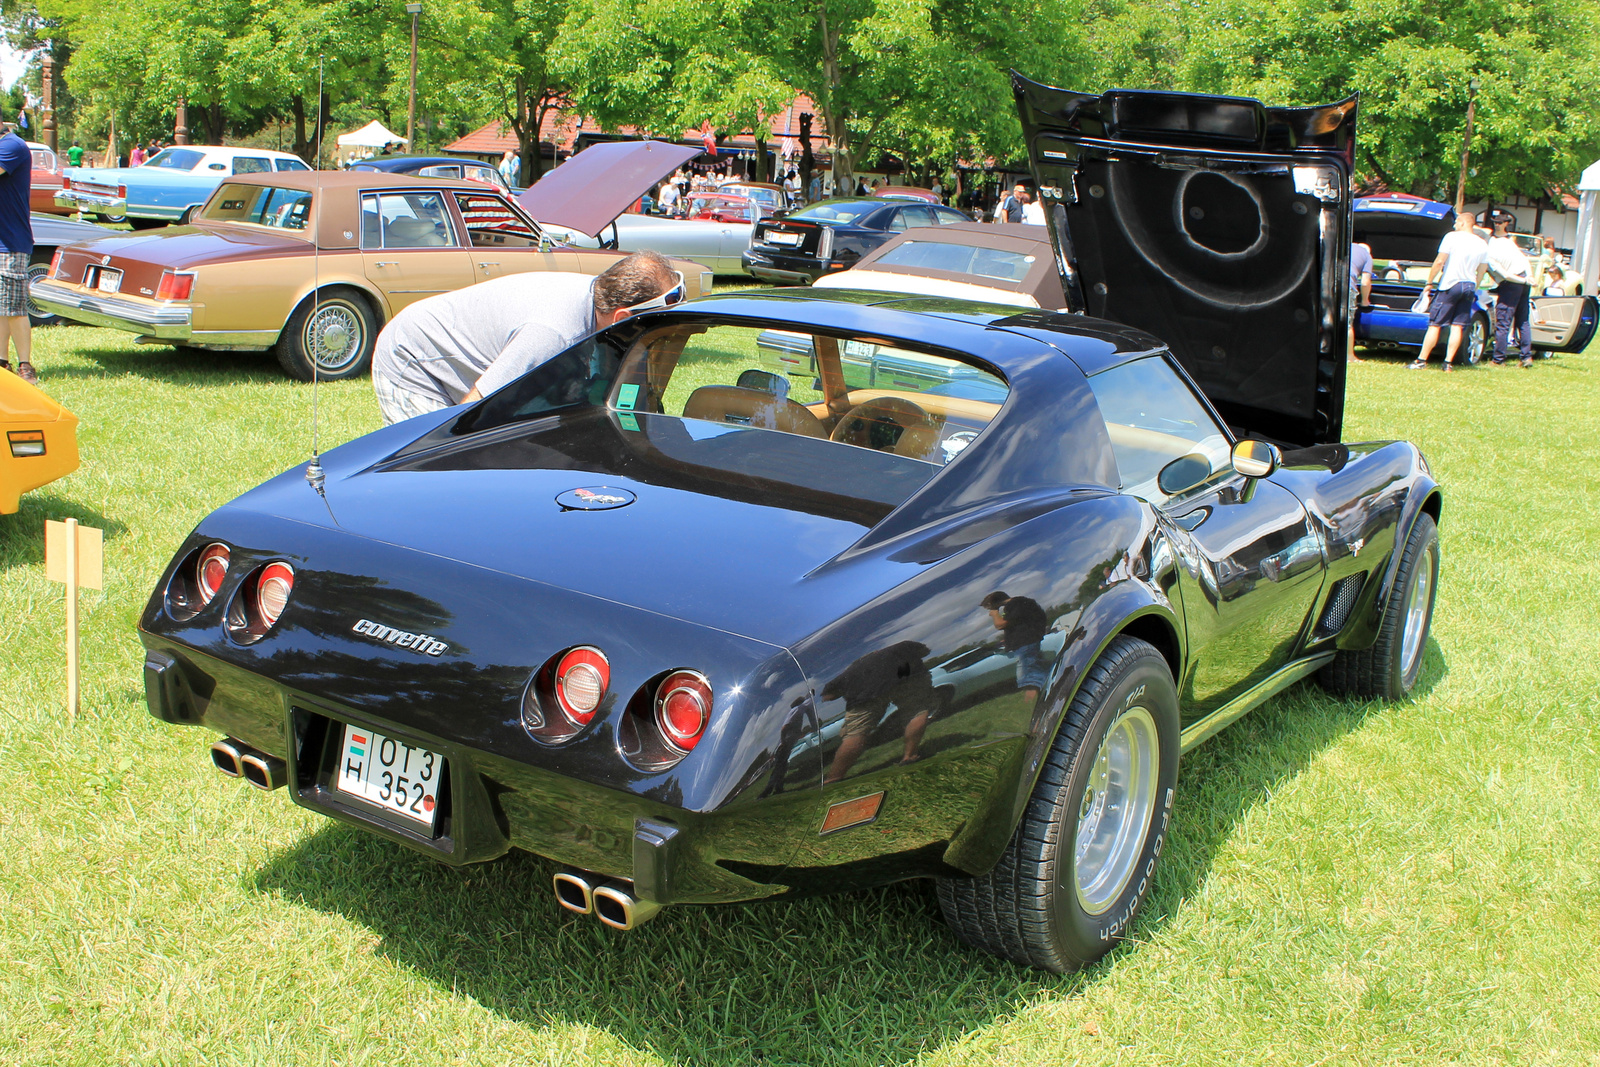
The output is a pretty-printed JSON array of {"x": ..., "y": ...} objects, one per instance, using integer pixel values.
[{"x": 703, "y": 621}]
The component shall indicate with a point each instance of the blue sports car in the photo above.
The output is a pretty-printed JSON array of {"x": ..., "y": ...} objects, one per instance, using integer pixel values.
[{"x": 1404, "y": 234}]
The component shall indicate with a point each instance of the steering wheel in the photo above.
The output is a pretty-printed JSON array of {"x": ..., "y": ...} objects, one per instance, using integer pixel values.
[{"x": 884, "y": 424}]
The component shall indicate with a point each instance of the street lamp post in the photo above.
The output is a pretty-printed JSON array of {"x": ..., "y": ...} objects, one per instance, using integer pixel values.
[
  {"x": 1466, "y": 145},
  {"x": 415, "y": 10}
]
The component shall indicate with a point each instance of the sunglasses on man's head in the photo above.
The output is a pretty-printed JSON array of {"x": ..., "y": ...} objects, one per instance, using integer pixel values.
[{"x": 672, "y": 296}]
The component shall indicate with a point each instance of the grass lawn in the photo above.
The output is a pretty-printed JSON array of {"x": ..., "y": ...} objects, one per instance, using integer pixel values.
[{"x": 1348, "y": 883}]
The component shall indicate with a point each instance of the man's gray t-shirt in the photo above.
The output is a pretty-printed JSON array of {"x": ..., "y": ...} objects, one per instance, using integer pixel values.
[{"x": 486, "y": 334}]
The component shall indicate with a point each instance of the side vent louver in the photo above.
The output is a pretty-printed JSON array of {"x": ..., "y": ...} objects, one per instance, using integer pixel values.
[{"x": 1341, "y": 601}]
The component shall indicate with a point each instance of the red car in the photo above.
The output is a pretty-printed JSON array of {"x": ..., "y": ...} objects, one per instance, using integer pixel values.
[
  {"x": 724, "y": 207},
  {"x": 47, "y": 179}
]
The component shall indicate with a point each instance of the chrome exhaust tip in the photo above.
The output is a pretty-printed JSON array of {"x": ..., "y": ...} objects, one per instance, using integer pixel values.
[
  {"x": 574, "y": 892},
  {"x": 226, "y": 754},
  {"x": 263, "y": 771},
  {"x": 615, "y": 905}
]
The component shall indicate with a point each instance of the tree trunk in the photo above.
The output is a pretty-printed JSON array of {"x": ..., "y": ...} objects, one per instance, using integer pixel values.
[
  {"x": 761, "y": 160},
  {"x": 297, "y": 105},
  {"x": 838, "y": 132}
]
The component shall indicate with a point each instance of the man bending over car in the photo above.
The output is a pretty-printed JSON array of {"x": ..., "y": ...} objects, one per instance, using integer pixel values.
[{"x": 456, "y": 347}]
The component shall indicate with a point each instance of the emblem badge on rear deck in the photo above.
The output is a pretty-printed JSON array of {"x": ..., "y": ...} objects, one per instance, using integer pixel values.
[{"x": 595, "y": 498}]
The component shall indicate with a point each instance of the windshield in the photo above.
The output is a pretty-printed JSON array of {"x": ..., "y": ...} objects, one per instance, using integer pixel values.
[
  {"x": 259, "y": 205},
  {"x": 176, "y": 159},
  {"x": 835, "y": 212}
]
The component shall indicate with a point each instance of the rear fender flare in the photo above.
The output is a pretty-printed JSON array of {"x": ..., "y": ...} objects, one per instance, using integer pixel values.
[
  {"x": 1135, "y": 607},
  {"x": 374, "y": 299},
  {"x": 1361, "y": 631}
]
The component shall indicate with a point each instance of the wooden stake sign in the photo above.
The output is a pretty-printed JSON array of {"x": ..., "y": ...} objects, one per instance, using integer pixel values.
[{"x": 72, "y": 555}]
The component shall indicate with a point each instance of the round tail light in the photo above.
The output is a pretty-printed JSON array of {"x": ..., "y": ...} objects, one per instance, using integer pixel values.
[
  {"x": 683, "y": 708},
  {"x": 210, "y": 570},
  {"x": 582, "y": 677},
  {"x": 272, "y": 592}
]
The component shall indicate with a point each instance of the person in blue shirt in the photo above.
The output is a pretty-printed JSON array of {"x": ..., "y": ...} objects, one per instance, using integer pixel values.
[{"x": 16, "y": 248}]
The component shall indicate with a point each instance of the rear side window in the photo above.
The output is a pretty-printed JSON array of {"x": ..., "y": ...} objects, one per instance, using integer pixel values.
[
  {"x": 1155, "y": 420},
  {"x": 262, "y": 205},
  {"x": 289, "y": 164},
  {"x": 176, "y": 159},
  {"x": 997, "y": 263},
  {"x": 405, "y": 220},
  {"x": 252, "y": 165},
  {"x": 442, "y": 170}
]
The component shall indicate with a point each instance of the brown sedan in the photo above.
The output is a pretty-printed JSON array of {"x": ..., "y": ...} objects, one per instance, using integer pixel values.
[{"x": 247, "y": 274}]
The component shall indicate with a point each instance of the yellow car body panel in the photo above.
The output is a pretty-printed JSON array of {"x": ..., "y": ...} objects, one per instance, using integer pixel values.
[{"x": 41, "y": 440}]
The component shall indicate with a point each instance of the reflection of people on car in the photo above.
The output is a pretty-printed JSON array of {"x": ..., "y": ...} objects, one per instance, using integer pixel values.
[
  {"x": 895, "y": 675},
  {"x": 1022, "y": 621}
]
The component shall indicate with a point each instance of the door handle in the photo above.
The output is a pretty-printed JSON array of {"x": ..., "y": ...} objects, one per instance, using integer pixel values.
[
  {"x": 486, "y": 266},
  {"x": 387, "y": 263}
]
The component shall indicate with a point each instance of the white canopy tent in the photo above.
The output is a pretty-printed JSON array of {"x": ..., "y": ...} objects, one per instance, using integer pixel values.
[
  {"x": 1586, "y": 247},
  {"x": 373, "y": 135}
]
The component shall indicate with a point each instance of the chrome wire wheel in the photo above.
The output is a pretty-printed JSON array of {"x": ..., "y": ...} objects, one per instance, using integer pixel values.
[
  {"x": 1477, "y": 339},
  {"x": 1419, "y": 606},
  {"x": 38, "y": 272},
  {"x": 1114, "y": 814},
  {"x": 334, "y": 336}
]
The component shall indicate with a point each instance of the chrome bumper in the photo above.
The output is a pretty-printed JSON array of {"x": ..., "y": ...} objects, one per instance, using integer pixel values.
[
  {"x": 170, "y": 322},
  {"x": 91, "y": 203}
]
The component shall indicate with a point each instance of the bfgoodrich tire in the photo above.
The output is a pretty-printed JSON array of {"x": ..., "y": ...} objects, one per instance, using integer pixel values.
[
  {"x": 1390, "y": 667},
  {"x": 1083, "y": 858},
  {"x": 332, "y": 342}
]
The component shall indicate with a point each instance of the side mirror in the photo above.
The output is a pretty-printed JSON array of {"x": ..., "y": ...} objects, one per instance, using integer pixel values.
[
  {"x": 1256, "y": 459},
  {"x": 1185, "y": 472}
]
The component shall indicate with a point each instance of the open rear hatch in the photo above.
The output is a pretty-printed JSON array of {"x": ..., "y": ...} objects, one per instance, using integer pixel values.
[{"x": 1216, "y": 223}]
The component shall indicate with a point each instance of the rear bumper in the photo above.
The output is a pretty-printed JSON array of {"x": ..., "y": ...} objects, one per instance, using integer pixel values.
[
  {"x": 91, "y": 203},
  {"x": 490, "y": 803},
  {"x": 169, "y": 322},
  {"x": 786, "y": 270}
]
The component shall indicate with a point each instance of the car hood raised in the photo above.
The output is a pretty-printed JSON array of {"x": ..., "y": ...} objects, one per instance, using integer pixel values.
[
  {"x": 1218, "y": 224},
  {"x": 1402, "y": 227},
  {"x": 593, "y": 187}
]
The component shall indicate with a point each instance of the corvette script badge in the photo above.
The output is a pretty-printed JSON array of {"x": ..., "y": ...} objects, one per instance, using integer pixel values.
[
  {"x": 595, "y": 498},
  {"x": 425, "y": 644}
]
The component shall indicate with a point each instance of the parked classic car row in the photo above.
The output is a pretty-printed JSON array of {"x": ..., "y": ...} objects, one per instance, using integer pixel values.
[
  {"x": 309, "y": 264},
  {"x": 555, "y": 619},
  {"x": 168, "y": 187}
]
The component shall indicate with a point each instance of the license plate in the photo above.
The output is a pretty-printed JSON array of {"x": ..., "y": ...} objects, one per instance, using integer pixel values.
[
  {"x": 396, "y": 776},
  {"x": 108, "y": 281},
  {"x": 790, "y": 239},
  {"x": 860, "y": 349}
]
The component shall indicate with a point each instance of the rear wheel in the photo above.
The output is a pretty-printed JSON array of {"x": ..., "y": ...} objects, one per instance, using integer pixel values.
[
  {"x": 39, "y": 267},
  {"x": 1476, "y": 344},
  {"x": 1082, "y": 860},
  {"x": 334, "y": 341},
  {"x": 1390, "y": 667}
]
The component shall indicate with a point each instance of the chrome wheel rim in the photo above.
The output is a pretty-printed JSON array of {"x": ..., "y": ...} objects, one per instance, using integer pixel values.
[
  {"x": 1477, "y": 340},
  {"x": 1418, "y": 608},
  {"x": 36, "y": 271},
  {"x": 1115, "y": 809},
  {"x": 334, "y": 336}
]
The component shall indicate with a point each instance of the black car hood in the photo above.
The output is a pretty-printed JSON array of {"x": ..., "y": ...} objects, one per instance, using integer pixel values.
[{"x": 1218, "y": 224}]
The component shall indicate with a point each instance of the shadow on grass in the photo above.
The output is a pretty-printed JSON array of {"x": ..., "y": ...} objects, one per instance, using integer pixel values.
[
  {"x": 862, "y": 978},
  {"x": 178, "y": 366},
  {"x": 22, "y": 534}
]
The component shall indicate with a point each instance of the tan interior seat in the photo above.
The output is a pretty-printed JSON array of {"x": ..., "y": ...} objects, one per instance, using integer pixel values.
[
  {"x": 411, "y": 233},
  {"x": 751, "y": 407}
]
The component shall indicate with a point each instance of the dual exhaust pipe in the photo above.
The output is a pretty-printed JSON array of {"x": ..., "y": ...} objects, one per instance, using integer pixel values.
[
  {"x": 236, "y": 759},
  {"x": 609, "y": 900}
]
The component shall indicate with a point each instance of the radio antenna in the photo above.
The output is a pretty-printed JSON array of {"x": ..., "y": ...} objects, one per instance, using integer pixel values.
[{"x": 314, "y": 474}]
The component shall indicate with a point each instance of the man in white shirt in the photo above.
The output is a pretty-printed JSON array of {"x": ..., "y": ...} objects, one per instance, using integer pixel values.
[
  {"x": 456, "y": 347},
  {"x": 1462, "y": 259},
  {"x": 1509, "y": 266},
  {"x": 1032, "y": 210}
]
